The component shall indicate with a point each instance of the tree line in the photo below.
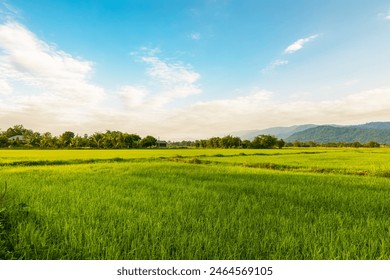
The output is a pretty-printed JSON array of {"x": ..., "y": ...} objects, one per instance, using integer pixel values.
[
  {"x": 20, "y": 137},
  {"x": 68, "y": 139},
  {"x": 259, "y": 142}
]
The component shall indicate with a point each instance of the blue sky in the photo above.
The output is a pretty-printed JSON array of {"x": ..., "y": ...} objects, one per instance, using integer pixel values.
[{"x": 192, "y": 69}]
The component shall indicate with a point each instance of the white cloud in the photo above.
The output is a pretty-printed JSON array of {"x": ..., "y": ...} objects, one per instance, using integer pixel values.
[
  {"x": 26, "y": 58},
  {"x": 42, "y": 79},
  {"x": 275, "y": 64},
  {"x": 173, "y": 81},
  {"x": 385, "y": 16},
  {"x": 195, "y": 36},
  {"x": 279, "y": 62},
  {"x": 296, "y": 46},
  {"x": 134, "y": 96},
  {"x": 258, "y": 110},
  {"x": 5, "y": 88},
  {"x": 170, "y": 73},
  {"x": 8, "y": 12}
]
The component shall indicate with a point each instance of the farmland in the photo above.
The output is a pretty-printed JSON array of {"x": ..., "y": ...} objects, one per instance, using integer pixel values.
[{"x": 293, "y": 203}]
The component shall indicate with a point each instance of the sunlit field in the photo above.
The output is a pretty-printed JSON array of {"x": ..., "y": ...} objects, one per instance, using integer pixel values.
[{"x": 195, "y": 204}]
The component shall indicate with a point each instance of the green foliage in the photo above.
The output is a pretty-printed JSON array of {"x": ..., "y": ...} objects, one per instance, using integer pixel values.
[
  {"x": 65, "y": 139},
  {"x": 148, "y": 141},
  {"x": 372, "y": 144},
  {"x": 264, "y": 142},
  {"x": 280, "y": 143},
  {"x": 15, "y": 130},
  {"x": 3, "y": 141}
]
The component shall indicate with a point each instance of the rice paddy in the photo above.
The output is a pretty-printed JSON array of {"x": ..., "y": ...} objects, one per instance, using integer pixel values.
[{"x": 195, "y": 204}]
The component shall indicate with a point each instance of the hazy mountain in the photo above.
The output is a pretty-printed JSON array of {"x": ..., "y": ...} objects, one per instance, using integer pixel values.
[
  {"x": 378, "y": 132},
  {"x": 363, "y": 133},
  {"x": 279, "y": 132},
  {"x": 374, "y": 125}
]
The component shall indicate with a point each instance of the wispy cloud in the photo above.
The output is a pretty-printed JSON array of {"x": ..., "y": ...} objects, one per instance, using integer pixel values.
[
  {"x": 195, "y": 36},
  {"x": 297, "y": 45},
  {"x": 273, "y": 65},
  {"x": 174, "y": 80},
  {"x": 8, "y": 12},
  {"x": 170, "y": 73},
  {"x": 294, "y": 47},
  {"x": 385, "y": 16}
]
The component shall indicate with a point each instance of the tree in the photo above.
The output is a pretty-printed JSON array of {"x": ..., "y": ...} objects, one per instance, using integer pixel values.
[
  {"x": 356, "y": 144},
  {"x": 201, "y": 143},
  {"x": 32, "y": 139},
  {"x": 66, "y": 138},
  {"x": 264, "y": 142},
  {"x": 79, "y": 142},
  {"x": 372, "y": 144},
  {"x": 131, "y": 140},
  {"x": 15, "y": 130},
  {"x": 230, "y": 142},
  {"x": 96, "y": 140},
  {"x": 148, "y": 142},
  {"x": 46, "y": 140},
  {"x": 214, "y": 142},
  {"x": 280, "y": 143},
  {"x": 246, "y": 144},
  {"x": 113, "y": 140},
  {"x": 3, "y": 141}
]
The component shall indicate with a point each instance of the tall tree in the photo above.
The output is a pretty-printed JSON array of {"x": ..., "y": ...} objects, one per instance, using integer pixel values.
[
  {"x": 264, "y": 142},
  {"x": 46, "y": 140},
  {"x": 66, "y": 138},
  {"x": 15, "y": 130},
  {"x": 131, "y": 140},
  {"x": 96, "y": 140},
  {"x": 148, "y": 141},
  {"x": 3, "y": 140}
]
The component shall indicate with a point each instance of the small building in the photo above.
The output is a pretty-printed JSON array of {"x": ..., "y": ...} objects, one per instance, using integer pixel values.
[
  {"x": 161, "y": 144},
  {"x": 17, "y": 138}
]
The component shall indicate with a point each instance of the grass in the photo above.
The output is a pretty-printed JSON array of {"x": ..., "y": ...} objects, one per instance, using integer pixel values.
[
  {"x": 9, "y": 156},
  {"x": 171, "y": 205}
]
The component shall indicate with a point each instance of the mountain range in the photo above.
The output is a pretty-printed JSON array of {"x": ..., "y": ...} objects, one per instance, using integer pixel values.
[{"x": 363, "y": 133}]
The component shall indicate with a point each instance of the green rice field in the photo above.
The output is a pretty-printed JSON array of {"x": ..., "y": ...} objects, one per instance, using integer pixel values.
[{"x": 298, "y": 203}]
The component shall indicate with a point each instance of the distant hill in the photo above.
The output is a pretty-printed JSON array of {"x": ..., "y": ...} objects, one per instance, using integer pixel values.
[
  {"x": 374, "y": 125},
  {"x": 378, "y": 132},
  {"x": 279, "y": 132},
  {"x": 363, "y": 133}
]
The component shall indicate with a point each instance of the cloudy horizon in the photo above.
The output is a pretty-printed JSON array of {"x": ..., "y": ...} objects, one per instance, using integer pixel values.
[{"x": 192, "y": 70}]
